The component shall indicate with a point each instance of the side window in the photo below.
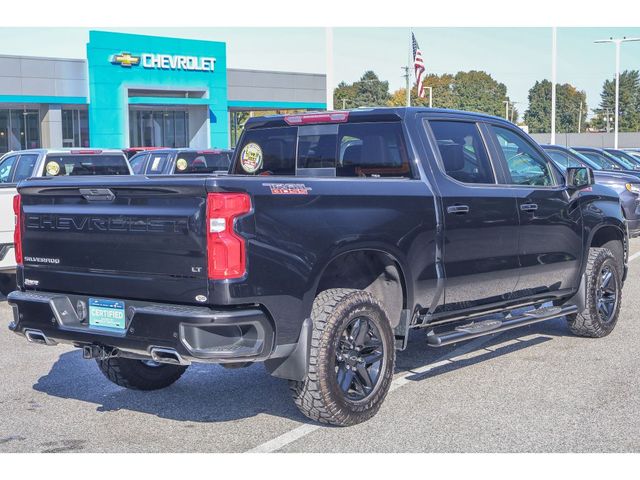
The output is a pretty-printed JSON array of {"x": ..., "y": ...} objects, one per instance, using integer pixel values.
[
  {"x": 6, "y": 167},
  {"x": 137, "y": 164},
  {"x": 372, "y": 150},
  {"x": 525, "y": 164},
  {"x": 157, "y": 163},
  {"x": 24, "y": 168},
  {"x": 464, "y": 156}
]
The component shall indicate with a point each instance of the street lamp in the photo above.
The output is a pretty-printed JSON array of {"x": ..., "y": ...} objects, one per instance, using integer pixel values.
[
  {"x": 506, "y": 109},
  {"x": 430, "y": 96},
  {"x": 617, "y": 42}
]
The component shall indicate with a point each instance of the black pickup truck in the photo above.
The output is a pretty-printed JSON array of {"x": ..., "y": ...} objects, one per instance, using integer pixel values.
[{"x": 333, "y": 236}]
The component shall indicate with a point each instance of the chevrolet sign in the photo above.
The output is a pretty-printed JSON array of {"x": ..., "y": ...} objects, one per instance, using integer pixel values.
[{"x": 159, "y": 61}]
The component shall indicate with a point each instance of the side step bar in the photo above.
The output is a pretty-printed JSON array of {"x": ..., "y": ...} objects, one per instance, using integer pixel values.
[{"x": 487, "y": 327}]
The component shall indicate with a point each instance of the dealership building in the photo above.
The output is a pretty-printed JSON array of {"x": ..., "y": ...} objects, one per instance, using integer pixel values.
[{"x": 138, "y": 90}]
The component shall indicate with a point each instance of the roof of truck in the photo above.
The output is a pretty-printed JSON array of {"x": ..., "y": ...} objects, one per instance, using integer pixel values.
[{"x": 371, "y": 114}]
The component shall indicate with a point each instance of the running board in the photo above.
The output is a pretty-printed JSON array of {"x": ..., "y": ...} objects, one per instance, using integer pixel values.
[{"x": 487, "y": 327}]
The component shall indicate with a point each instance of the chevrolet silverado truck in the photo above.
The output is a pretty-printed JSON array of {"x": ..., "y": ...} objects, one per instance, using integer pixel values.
[
  {"x": 18, "y": 165},
  {"x": 332, "y": 237}
]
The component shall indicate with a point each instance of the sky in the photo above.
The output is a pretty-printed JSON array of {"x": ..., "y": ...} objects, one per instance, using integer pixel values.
[{"x": 516, "y": 57}]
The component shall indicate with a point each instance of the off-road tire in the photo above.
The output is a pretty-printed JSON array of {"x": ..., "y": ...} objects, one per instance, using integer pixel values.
[
  {"x": 589, "y": 323},
  {"x": 137, "y": 375},
  {"x": 318, "y": 396}
]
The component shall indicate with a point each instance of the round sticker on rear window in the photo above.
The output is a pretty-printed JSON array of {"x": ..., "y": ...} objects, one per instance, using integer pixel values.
[
  {"x": 53, "y": 168},
  {"x": 181, "y": 164},
  {"x": 251, "y": 158}
]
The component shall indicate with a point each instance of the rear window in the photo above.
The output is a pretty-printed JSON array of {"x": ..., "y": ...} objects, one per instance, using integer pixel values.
[
  {"x": 203, "y": 162},
  {"x": 375, "y": 149},
  {"x": 60, "y": 165}
]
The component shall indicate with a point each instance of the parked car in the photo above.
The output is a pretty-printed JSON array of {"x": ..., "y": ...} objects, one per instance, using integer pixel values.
[
  {"x": 635, "y": 153},
  {"x": 18, "y": 165},
  {"x": 170, "y": 161},
  {"x": 605, "y": 159},
  {"x": 319, "y": 260},
  {"x": 626, "y": 185},
  {"x": 131, "y": 151}
]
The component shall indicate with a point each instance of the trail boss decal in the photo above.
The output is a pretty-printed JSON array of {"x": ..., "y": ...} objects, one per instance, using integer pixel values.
[
  {"x": 288, "y": 188},
  {"x": 251, "y": 158}
]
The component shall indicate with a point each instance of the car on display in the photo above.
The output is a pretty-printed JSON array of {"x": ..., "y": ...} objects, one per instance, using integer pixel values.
[
  {"x": 319, "y": 260},
  {"x": 626, "y": 185},
  {"x": 634, "y": 153},
  {"x": 169, "y": 161},
  {"x": 606, "y": 160},
  {"x": 18, "y": 165}
]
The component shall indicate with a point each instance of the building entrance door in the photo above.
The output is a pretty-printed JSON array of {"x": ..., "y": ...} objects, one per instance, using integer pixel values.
[{"x": 161, "y": 127}]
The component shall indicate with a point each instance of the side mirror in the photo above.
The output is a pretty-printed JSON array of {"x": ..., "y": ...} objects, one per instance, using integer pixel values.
[{"x": 579, "y": 177}]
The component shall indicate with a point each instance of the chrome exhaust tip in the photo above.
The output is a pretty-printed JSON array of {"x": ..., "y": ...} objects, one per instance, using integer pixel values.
[
  {"x": 37, "y": 336},
  {"x": 167, "y": 355}
]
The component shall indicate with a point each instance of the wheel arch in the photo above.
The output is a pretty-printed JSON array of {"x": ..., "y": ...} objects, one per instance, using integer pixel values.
[{"x": 372, "y": 269}]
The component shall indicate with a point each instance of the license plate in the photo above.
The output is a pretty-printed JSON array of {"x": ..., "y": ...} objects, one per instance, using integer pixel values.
[{"x": 105, "y": 313}]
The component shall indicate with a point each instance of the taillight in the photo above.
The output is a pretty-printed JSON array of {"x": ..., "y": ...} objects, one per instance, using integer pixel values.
[
  {"x": 226, "y": 252},
  {"x": 17, "y": 232}
]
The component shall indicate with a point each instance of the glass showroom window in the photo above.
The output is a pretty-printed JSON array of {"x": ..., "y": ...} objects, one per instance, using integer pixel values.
[
  {"x": 75, "y": 128},
  {"x": 19, "y": 129}
]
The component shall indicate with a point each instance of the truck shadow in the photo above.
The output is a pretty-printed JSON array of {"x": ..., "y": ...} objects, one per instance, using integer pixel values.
[{"x": 210, "y": 393}]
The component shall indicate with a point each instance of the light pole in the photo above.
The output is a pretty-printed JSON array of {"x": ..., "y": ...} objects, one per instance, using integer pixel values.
[
  {"x": 554, "y": 62},
  {"x": 617, "y": 42},
  {"x": 430, "y": 96},
  {"x": 506, "y": 109}
]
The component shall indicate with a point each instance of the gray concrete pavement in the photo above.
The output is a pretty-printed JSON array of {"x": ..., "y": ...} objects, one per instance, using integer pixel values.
[{"x": 537, "y": 388}]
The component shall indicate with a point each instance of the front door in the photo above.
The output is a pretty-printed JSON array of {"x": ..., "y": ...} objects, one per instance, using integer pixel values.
[
  {"x": 480, "y": 252},
  {"x": 550, "y": 222}
]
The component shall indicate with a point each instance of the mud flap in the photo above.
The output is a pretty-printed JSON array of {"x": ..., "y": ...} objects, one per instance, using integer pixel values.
[{"x": 293, "y": 366}]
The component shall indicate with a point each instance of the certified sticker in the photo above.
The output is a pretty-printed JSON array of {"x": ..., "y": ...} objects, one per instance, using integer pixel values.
[
  {"x": 251, "y": 158},
  {"x": 181, "y": 164},
  {"x": 53, "y": 168}
]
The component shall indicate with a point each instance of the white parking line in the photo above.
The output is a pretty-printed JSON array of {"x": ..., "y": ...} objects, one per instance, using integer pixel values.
[
  {"x": 633, "y": 257},
  {"x": 400, "y": 380}
]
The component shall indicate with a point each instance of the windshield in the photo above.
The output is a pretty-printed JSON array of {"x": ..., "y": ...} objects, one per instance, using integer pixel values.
[
  {"x": 60, "y": 165},
  {"x": 626, "y": 160},
  {"x": 599, "y": 159},
  {"x": 584, "y": 159},
  {"x": 563, "y": 158},
  {"x": 203, "y": 162}
]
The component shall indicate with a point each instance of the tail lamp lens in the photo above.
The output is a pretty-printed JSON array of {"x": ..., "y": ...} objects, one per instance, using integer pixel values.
[
  {"x": 17, "y": 232},
  {"x": 226, "y": 250}
]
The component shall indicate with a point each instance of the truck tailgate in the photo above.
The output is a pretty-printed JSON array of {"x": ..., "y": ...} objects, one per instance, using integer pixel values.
[{"x": 128, "y": 237}]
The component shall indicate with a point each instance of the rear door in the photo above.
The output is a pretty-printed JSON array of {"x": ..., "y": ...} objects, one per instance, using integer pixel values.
[
  {"x": 120, "y": 237},
  {"x": 550, "y": 233},
  {"x": 480, "y": 218}
]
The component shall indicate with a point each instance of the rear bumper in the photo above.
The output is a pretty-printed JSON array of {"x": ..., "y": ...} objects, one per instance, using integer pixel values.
[{"x": 197, "y": 334}]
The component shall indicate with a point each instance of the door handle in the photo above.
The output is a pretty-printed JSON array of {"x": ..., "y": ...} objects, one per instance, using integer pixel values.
[
  {"x": 529, "y": 207},
  {"x": 458, "y": 209}
]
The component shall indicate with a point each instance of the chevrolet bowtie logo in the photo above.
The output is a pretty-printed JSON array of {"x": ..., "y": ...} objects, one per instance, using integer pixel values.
[{"x": 125, "y": 59}]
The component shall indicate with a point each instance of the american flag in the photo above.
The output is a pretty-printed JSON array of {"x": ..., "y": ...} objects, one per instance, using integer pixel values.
[{"x": 418, "y": 65}]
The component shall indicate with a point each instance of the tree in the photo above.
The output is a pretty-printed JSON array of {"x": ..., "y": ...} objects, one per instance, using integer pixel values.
[
  {"x": 571, "y": 108},
  {"x": 477, "y": 91},
  {"x": 369, "y": 91},
  {"x": 442, "y": 93},
  {"x": 629, "y": 119}
]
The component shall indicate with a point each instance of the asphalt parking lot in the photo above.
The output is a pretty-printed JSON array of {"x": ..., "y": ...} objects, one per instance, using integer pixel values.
[{"x": 535, "y": 389}]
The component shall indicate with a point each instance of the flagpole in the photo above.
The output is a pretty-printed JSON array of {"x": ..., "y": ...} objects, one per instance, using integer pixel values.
[{"x": 409, "y": 68}]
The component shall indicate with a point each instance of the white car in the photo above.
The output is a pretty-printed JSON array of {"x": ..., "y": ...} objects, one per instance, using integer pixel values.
[{"x": 19, "y": 165}]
